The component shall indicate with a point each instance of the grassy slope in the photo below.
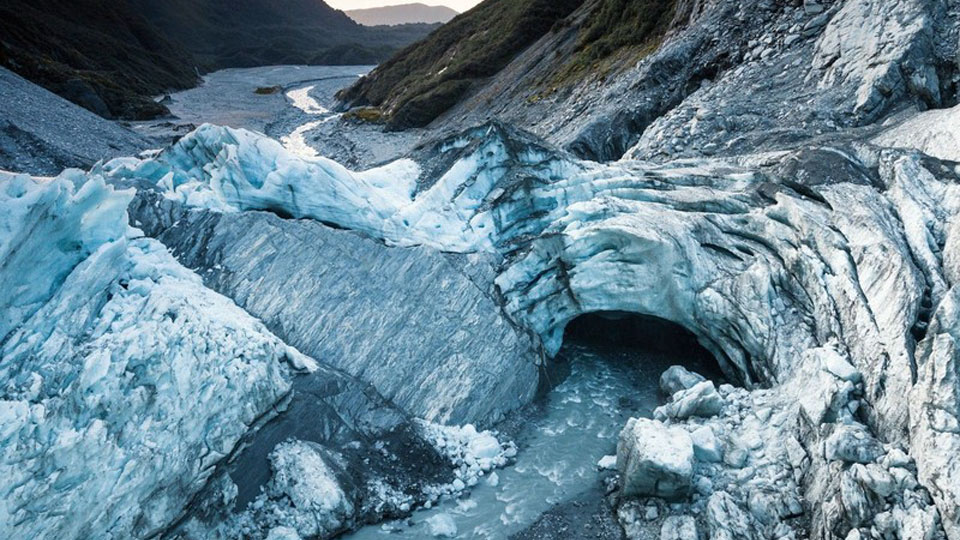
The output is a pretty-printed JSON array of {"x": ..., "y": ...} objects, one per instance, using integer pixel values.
[
  {"x": 618, "y": 28},
  {"x": 431, "y": 76},
  {"x": 98, "y": 53}
]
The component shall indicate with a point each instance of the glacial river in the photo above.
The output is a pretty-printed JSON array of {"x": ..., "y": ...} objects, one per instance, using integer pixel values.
[{"x": 563, "y": 437}]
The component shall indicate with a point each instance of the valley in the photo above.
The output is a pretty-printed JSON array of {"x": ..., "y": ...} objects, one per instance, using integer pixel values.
[{"x": 679, "y": 270}]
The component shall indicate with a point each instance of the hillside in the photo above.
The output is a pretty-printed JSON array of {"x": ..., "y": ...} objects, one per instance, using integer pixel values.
[
  {"x": 402, "y": 14},
  {"x": 248, "y": 33},
  {"x": 113, "y": 56},
  {"x": 622, "y": 78},
  {"x": 100, "y": 54},
  {"x": 44, "y": 134},
  {"x": 429, "y": 77}
]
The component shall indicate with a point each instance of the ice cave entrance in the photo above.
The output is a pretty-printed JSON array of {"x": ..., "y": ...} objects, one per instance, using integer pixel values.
[
  {"x": 638, "y": 340},
  {"x": 607, "y": 371}
]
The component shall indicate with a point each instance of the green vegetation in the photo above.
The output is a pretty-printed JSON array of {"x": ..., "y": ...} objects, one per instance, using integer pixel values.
[
  {"x": 618, "y": 33},
  {"x": 427, "y": 78},
  {"x": 99, "y": 54},
  {"x": 616, "y": 24},
  {"x": 370, "y": 115}
]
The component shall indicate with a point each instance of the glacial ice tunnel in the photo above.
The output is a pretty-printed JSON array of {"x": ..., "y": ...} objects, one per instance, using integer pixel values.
[{"x": 648, "y": 334}]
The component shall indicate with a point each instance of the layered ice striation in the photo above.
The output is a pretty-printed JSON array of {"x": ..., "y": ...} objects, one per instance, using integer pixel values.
[{"x": 423, "y": 327}]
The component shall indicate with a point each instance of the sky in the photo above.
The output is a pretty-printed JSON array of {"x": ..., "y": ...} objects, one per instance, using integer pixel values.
[{"x": 459, "y": 5}]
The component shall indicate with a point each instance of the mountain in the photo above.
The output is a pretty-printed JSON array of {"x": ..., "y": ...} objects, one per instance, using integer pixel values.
[
  {"x": 402, "y": 14},
  {"x": 569, "y": 39},
  {"x": 246, "y": 33},
  {"x": 100, "y": 54},
  {"x": 612, "y": 74},
  {"x": 113, "y": 56},
  {"x": 427, "y": 78}
]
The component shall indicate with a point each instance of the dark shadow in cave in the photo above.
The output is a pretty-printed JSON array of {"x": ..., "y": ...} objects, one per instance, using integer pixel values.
[{"x": 634, "y": 338}]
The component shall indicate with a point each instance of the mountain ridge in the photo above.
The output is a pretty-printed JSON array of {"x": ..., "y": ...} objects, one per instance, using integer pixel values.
[
  {"x": 99, "y": 54},
  {"x": 221, "y": 34},
  {"x": 425, "y": 79},
  {"x": 403, "y": 14}
]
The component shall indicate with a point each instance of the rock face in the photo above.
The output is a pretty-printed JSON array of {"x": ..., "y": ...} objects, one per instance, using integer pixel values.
[{"x": 654, "y": 460}]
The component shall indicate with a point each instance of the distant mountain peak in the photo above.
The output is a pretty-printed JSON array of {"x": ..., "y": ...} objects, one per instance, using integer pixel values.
[{"x": 402, "y": 14}]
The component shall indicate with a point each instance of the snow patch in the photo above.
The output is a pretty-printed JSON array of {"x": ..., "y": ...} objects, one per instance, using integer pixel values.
[{"x": 474, "y": 453}]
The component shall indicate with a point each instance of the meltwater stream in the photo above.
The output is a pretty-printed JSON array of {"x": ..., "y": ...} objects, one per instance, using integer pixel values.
[{"x": 560, "y": 438}]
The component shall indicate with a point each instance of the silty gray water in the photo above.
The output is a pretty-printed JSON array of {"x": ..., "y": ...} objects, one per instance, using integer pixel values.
[{"x": 561, "y": 438}]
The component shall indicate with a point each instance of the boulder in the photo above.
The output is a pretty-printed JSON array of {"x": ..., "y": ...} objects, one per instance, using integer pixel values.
[
  {"x": 702, "y": 399},
  {"x": 852, "y": 443},
  {"x": 726, "y": 520},
  {"x": 678, "y": 528},
  {"x": 706, "y": 445},
  {"x": 677, "y": 378},
  {"x": 654, "y": 460},
  {"x": 442, "y": 526}
]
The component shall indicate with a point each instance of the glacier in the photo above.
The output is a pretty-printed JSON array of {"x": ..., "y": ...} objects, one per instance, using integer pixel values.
[
  {"x": 748, "y": 253},
  {"x": 230, "y": 338},
  {"x": 126, "y": 380}
]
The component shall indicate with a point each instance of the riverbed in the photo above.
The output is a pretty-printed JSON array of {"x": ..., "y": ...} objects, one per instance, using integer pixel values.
[{"x": 293, "y": 104}]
